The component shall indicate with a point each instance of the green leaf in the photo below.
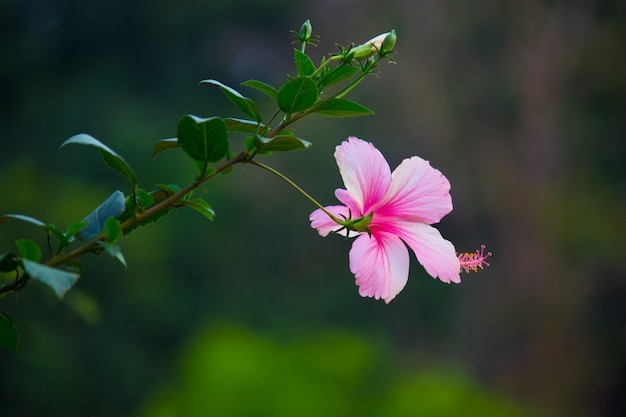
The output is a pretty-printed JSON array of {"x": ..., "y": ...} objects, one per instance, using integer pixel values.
[
  {"x": 164, "y": 144},
  {"x": 338, "y": 74},
  {"x": 283, "y": 142},
  {"x": 145, "y": 199},
  {"x": 9, "y": 336},
  {"x": 114, "y": 251},
  {"x": 113, "y": 160},
  {"x": 28, "y": 249},
  {"x": 241, "y": 125},
  {"x": 58, "y": 280},
  {"x": 245, "y": 104},
  {"x": 112, "y": 229},
  {"x": 113, "y": 206},
  {"x": 201, "y": 207},
  {"x": 304, "y": 64},
  {"x": 341, "y": 107},
  {"x": 73, "y": 229},
  {"x": 21, "y": 217},
  {"x": 63, "y": 241},
  {"x": 205, "y": 140},
  {"x": 169, "y": 188},
  {"x": 297, "y": 95},
  {"x": 262, "y": 87},
  {"x": 8, "y": 262}
]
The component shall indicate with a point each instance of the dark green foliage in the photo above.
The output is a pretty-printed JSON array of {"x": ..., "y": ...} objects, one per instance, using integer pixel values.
[
  {"x": 164, "y": 144},
  {"x": 28, "y": 249},
  {"x": 8, "y": 262},
  {"x": 201, "y": 207},
  {"x": 304, "y": 64},
  {"x": 265, "y": 88},
  {"x": 297, "y": 95},
  {"x": 112, "y": 159},
  {"x": 243, "y": 103},
  {"x": 341, "y": 107},
  {"x": 205, "y": 140},
  {"x": 9, "y": 336}
]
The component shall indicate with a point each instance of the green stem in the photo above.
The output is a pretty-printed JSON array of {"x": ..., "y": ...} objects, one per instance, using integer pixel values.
[
  {"x": 165, "y": 204},
  {"x": 328, "y": 61},
  {"x": 294, "y": 185},
  {"x": 360, "y": 78}
]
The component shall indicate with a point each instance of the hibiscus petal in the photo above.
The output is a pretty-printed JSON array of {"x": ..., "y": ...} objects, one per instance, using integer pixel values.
[
  {"x": 324, "y": 224},
  {"x": 437, "y": 255},
  {"x": 364, "y": 170},
  {"x": 418, "y": 192},
  {"x": 381, "y": 265},
  {"x": 354, "y": 206}
]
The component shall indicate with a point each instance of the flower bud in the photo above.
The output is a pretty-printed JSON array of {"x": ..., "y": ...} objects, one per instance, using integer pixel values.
[
  {"x": 388, "y": 43},
  {"x": 381, "y": 44},
  {"x": 305, "y": 31}
]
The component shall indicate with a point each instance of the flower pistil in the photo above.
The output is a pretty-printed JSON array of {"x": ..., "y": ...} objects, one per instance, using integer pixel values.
[{"x": 470, "y": 262}]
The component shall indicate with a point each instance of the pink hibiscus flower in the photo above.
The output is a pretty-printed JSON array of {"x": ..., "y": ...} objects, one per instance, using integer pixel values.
[{"x": 384, "y": 209}]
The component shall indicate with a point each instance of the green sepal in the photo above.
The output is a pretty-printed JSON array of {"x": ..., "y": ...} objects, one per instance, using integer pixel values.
[
  {"x": 58, "y": 280},
  {"x": 8, "y": 262},
  {"x": 112, "y": 159},
  {"x": 9, "y": 336},
  {"x": 113, "y": 250},
  {"x": 262, "y": 87},
  {"x": 297, "y": 95},
  {"x": 205, "y": 140},
  {"x": 28, "y": 249},
  {"x": 201, "y": 207},
  {"x": 341, "y": 107},
  {"x": 164, "y": 144},
  {"x": 241, "y": 125},
  {"x": 244, "y": 104},
  {"x": 304, "y": 64}
]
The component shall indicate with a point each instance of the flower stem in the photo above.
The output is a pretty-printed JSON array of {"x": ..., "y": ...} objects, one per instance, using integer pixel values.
[{"x": 294, "y": 185}]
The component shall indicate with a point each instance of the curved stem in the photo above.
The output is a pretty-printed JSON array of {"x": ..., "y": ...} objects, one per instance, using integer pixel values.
[{"x": 294, "y": 185}]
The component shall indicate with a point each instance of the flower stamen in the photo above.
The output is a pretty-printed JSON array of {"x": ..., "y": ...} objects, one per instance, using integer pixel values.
[{"x": 470, "y": 262}]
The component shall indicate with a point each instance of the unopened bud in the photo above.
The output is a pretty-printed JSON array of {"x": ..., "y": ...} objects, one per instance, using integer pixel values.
[
  {"x": 305, "y": 31},
  {"x": 388, "y": 43},
  {"x": 381, "y": 44}
]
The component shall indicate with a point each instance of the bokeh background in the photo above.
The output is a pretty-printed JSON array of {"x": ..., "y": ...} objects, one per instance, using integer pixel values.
[{"x": 520, "y": 104}]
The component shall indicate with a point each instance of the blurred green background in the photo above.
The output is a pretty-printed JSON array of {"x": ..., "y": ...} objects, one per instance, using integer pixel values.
[{"x": 521, "y": 105}]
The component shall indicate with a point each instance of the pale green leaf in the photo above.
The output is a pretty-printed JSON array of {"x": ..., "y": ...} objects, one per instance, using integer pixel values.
[{"x": 58, "y": 280}]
